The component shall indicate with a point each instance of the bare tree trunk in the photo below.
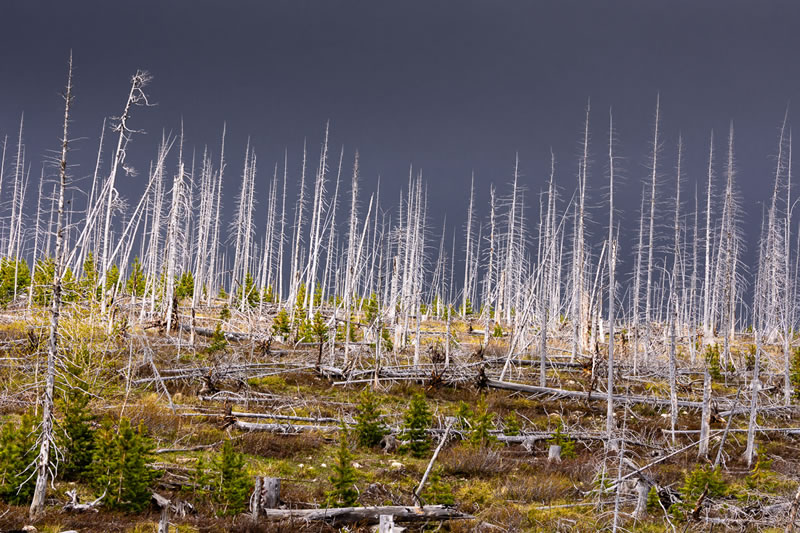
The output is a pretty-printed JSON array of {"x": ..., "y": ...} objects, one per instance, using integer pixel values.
[
  {"x": 612, "y": 255},
  {"x": 46, "y": 437}
]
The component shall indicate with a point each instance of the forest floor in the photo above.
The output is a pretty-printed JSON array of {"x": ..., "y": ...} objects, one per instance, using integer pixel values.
[{"x": 191, "y": 399}]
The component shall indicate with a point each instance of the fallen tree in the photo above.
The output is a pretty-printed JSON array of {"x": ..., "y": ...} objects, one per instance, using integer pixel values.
[{"x": 369, "y": 515}]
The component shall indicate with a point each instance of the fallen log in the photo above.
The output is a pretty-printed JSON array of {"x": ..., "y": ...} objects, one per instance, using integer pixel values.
[
  {"x": 580, "y": 395},
  {"x": 369, "y": 515}
]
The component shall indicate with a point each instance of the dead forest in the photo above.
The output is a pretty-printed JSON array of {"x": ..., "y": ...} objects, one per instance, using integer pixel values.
[{"x": 333, "y": 362}]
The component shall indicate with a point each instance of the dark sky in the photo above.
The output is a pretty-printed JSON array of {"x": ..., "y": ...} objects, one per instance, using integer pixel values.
[{"x": 451, "y": 87}]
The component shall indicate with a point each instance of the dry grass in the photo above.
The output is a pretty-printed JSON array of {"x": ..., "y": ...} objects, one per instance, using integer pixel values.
[
  {"x": 466, "y": 461},
  {"x": 544, "y": 487},
  {"x": 275, "y": 446}
]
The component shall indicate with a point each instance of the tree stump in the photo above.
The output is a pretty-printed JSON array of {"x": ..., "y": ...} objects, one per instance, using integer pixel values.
[
  {"x": 642, "y": 491},
  {"x": 554, "y": 454},
  {"x": 386, "y": 524},
  {"x": 267, "y": 495}
]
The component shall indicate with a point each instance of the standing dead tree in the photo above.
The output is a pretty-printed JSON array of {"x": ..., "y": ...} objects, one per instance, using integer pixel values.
[{"x": 46, "y": 436}]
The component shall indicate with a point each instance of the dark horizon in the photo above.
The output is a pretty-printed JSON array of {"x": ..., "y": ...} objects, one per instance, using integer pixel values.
[{"x": 449, "y": 90}]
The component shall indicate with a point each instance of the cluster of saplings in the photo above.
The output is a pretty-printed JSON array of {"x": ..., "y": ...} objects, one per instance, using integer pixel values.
[
  {"x": 476, "y": 427},
  {"x": 112, "y": 457}
]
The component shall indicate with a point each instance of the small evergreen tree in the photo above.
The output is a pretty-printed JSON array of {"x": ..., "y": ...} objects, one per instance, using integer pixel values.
[
  {"x": 653, "y": 499},
  {"x": 482, "y": 423},
  {"x": 184, "y": 286},
  {"x": 512, "y": 425},
  {"x": 761, "y": 477},
  {"x": 318, "y": 296},
  {"x": 386, "y": 340},
  {"x": 218, "y": 341},
  {"x": 70, "y": 288},
  {"x": 112, "y": 276},
  {"x": 15, "y": 278},
  {"x": 416, "y": 421},
  {"x": 299, "y": 303},
  {"x": 120, "y": 466},
  {"x": 343, "y": 493},
  {"x": 794, "y": 372},
  {"x": 201, "y": 480},
  {"x": 269, "y": 295},
  {"x": 251, "y": 293},
  {"x": 77, "y": 441},
  {"x": 320, "y": 332},
  {"x": 89, "y": 282},
  {"x": 371, "y": 308},
  {"x": 43, "y": 274},
  {"x": 438, "y": 492},
  {"x": 17, "y": 453},
  {"x": 712, "y": 360},
  {"x": 562, "y": 439},
  {"x": 136, "y": 284},
  {"x": 498, "y": 330},
  {"x": 698, "y": 481},
  {"x": 281, "y": 324},
  {"x": 463, "y": 416},
  {"x": 232, "y": 481},
  {"x": 369, "y": 427}
]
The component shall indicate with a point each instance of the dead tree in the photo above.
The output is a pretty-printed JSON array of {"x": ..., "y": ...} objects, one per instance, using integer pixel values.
[{"x": 46, "y": 437}]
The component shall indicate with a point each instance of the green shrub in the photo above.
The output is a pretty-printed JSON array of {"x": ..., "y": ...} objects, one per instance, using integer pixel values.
[
  {"x": 17, "y": 453},
  {"x": 369, "y": 427},
  {"x": 232, "y": 481},
  {"x": 416, "y": 421},
  {"x": 120, "y": 468}
]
